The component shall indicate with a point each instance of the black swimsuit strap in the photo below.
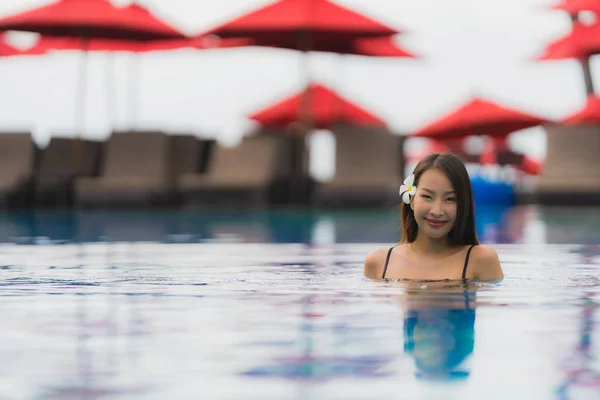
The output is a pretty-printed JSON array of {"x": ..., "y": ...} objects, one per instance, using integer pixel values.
[
  {"x": 387, "y": 259},
  {"x": 464, "y": 273}
]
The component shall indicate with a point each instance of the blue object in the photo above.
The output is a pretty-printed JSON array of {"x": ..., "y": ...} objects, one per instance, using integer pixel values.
[{"x": 488, "y": 192}]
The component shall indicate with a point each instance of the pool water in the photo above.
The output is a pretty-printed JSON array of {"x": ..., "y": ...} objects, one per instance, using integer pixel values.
[{"x": 273, "y": 305}]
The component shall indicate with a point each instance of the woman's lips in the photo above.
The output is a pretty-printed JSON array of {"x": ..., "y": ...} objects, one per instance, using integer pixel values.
[{"x": 434, "y": 223}]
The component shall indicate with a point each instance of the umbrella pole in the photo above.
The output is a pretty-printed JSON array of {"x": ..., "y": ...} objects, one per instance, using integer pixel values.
[
  {"x": 134, "y": 71},
  {"x": 81, "y": 107},
  {"x": 337, "y": 85},
  {"x": 585, "y": 65},
  {"x": 299, "y": 192},
  {"x": 587, "y": 76},
  {"x": 134, "y": 78},
  {"x": 306, "y": 114},
  {"x": 111, "y": 96}
]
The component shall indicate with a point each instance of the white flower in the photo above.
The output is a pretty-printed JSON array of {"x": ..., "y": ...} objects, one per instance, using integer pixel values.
[{"x": 408, "y": 189}]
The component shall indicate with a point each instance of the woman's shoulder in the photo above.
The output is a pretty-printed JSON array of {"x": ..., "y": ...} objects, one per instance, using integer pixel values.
[
  {"x": 375, "y": 262},
  {"x": 483, "y": 253},
  {"x": 486, "y": 263}
]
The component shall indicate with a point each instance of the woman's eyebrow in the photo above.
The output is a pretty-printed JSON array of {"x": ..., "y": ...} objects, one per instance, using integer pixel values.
[{"x": 431, "y": 191}]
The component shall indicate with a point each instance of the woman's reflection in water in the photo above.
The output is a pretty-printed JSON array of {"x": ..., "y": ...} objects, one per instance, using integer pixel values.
[{"x": 439, "y": 330}]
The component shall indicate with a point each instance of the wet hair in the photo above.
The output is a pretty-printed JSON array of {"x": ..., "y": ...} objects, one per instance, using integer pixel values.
[{"x": 463, "y": 232}]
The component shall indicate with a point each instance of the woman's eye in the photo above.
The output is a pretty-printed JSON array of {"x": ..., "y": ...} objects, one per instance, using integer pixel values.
[
  {"x": 426, "y": 196},
  {"x": 451, "y": 199}
]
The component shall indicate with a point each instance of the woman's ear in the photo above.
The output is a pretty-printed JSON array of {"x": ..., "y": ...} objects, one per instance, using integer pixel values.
[{"x": 412, "y": 204}]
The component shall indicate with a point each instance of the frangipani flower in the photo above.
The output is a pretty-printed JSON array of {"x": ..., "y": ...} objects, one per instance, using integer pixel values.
[{"x": 408, "y": 189}]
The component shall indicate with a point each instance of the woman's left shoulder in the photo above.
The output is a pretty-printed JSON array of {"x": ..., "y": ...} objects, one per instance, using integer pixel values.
[
  {"x": 484, "y": 253},
  {"x": 486, "y": 263}
]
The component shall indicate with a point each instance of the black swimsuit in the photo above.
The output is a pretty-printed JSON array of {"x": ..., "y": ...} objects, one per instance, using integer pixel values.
[{"x": 464, "y": 272}]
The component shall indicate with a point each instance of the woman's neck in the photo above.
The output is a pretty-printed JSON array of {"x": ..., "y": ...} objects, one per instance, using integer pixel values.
[{"x": 427, "y": 245}]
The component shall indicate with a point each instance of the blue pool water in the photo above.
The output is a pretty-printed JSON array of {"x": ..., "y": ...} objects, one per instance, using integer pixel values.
[{"x": 273, "y": 305}]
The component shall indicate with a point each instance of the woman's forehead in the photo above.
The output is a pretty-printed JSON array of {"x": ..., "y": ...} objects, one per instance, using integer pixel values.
[{"x": 435, "y": 180}]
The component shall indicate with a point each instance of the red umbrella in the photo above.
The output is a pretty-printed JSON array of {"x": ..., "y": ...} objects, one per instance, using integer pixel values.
[
  {"x": 89, "y": 19},
  {"x": 373, "y": 47},
  {"x": 530, "y": 166},
  {"x": 582, "y": 42},
  {"x": 488, "y": 155},
  {"x": 519, "y": 161},
  {"x": 479, "y": 117},
  {"x": 6, "y": 50},
  {"x": 589, "y": 114},
  {"x": 379, "y": 47},
  {"x": 327, "y": 109},
  {"x": 308, "y": 25},
  {"x": 496, "y": 151},
  {"x": 573, "y": 7},
  {"x": 304, "y": 25},
  {"x": 48, "y": 44}
]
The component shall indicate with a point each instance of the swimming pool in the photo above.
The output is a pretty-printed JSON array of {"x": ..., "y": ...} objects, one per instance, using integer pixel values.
[{"x": 273, "y": 305}]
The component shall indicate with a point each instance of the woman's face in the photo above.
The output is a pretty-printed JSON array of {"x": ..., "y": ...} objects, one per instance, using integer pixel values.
[{"x": 434, "y": 204}]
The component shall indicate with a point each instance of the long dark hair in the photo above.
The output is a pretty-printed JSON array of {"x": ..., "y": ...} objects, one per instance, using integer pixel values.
[{"x": 463, "y": 233}]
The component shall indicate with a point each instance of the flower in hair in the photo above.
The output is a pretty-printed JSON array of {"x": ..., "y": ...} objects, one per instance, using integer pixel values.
[{"x": 408, "y": 189}]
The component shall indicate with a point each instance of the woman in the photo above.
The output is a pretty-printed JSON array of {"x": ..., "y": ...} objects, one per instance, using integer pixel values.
[{"x": 438, "y": 240}]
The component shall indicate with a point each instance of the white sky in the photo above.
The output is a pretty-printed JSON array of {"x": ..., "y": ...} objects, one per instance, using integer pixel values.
[{"x": 470, "y": 47}]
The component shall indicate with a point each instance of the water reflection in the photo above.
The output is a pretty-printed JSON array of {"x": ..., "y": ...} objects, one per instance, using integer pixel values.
[
  {"x": 439, "y": 332},
  {"x": 314, "y": 364},
  {"x": 104, "y": 330},
  {"x": 568, "y": 225},
  {"x": 494, "y": 225},
  {"x": 582, "y": 372},
  {"x": 103, "y": 321},
  {"x": 589, "y": 253}
]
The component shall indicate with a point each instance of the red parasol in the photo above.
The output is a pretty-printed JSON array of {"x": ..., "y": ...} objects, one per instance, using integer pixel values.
[
  {"x": 91, "y": 19},
  {"x": 373, "y": 47},
  {"x": 479, "y": 117},
  {"x": 530, "y": 166},
  {"x": 589, "y": 114},
  {"x": 6, "y": 50},
  {"x": 573, "y": 7},
  {"x": 304, "y": 25},
  {"x": 379, "y": 47},
  {"x": 308, "y": 25},
  {"x": 327, "y": 109},
  {"x": 488, "y": 156},
  {"x": 582, "y": 42},
  {"x": 48, "y": 44}
]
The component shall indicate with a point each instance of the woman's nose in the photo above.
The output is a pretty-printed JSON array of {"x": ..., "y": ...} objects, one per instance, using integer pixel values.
[{"x": 436, "y": 209}]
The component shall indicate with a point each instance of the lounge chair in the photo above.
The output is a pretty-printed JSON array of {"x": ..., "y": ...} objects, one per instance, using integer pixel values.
[
  {"x": 242, "y": 173},
  {"x": 17, "y": 158},
  {"x": 367, "y": 169},
  {"x": 58, "y": 168},
  {"x": 135, "y": 171}
]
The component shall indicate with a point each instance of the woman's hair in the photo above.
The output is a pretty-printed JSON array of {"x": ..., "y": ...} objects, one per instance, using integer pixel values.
[{"x": 463, "y": 232}]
